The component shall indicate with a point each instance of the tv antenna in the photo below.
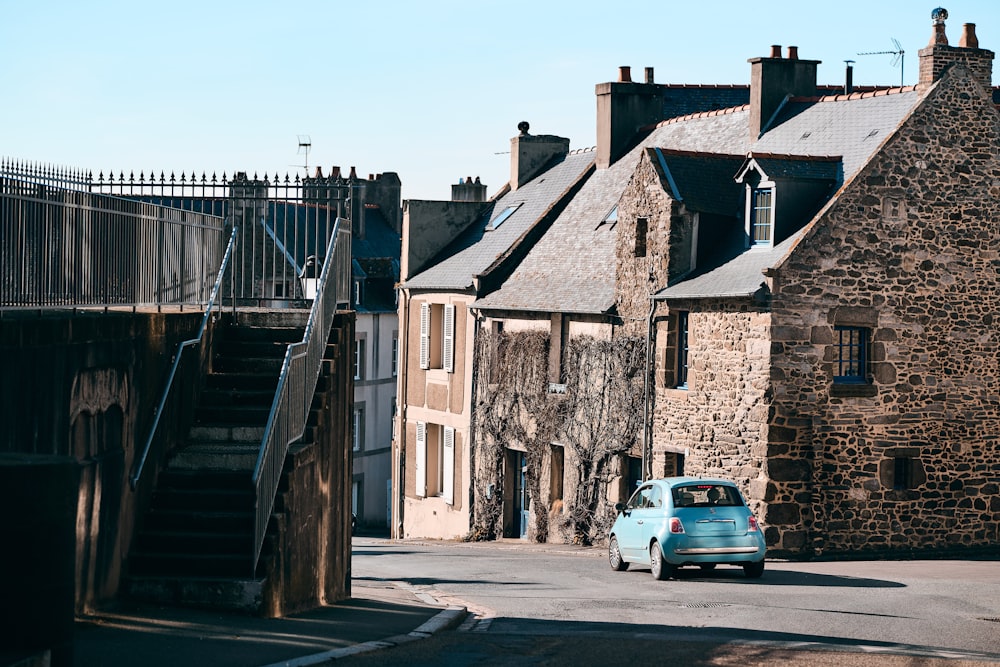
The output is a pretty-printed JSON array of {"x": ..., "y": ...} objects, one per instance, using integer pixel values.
[
  {"x": 897, "y": 57},
  {"x": 305, "y": 144}
]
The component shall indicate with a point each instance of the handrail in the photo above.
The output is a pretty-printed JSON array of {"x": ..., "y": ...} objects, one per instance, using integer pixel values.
[
  {"x": 286, "y": 421},
  {"x": 134, "y": 479}
]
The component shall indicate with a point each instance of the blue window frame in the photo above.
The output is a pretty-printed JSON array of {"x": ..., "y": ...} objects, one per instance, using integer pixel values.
[
  {"x": 851, "y": 361},
  {"x": 761, "y": 216},
  {"x": 682, "y": 350}
]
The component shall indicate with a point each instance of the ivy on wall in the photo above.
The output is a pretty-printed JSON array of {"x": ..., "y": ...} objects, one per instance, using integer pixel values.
[{"x": 596, "y": 420}]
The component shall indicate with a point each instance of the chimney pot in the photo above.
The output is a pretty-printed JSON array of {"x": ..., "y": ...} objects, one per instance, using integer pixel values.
[
  {"x": 776, "y": 50},
  {"x": 354, "y": 173},
  {"x": 649, "y": 75},
  {"x": 969, "y": 39},
  {"x": 625, "y": 74},
  {"x": 335, "y": 172},
  {"x": 793, "y": 53},
  {"x": 319, "y": 172},
  {"x": 371, "y": 177}
]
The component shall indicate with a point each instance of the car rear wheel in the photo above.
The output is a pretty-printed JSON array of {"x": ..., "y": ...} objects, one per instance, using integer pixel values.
[
  {"x": 660, "y": 568},
  {"x": 615, "y": 556},
  {"x": 753, "y": 570}
]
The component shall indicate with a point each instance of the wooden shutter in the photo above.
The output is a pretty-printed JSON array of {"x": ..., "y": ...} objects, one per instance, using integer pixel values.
[
  {"x": 425, "y": 335},
  {"x": 421, "y": 459},
  {"x": 448, "y": 339},
  {"x": 448, "y": 477}
]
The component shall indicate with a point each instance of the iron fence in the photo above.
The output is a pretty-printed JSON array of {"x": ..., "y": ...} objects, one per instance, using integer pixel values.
[
  {"x": 63, "y": 245},
  {"x": 69, "y": 238}
]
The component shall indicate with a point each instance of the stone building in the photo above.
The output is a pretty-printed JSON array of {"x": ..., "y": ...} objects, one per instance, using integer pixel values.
[
  {"x": 810, "y": 272},
  {"x": 824, "y": 281}
]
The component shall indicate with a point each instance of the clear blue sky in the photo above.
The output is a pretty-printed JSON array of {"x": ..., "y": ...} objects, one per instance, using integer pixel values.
[{"x": 433, "y": 91}]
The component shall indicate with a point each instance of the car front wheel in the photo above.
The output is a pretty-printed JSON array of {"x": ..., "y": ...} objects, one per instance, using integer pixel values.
[
  {"x": 660, "y": 568},
  {"x": 615, "y": 556},
  {"x": 753, "y": 570}
]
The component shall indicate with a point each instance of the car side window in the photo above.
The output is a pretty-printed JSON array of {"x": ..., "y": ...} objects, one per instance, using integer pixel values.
[
  {"x": 655, "y": 497},
  {"x": 641, "y": 498}
]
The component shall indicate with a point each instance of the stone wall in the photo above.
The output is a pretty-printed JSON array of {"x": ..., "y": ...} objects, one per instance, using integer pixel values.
[
  {"x": 911, "y": 249},
  {"x": 720, "y": 422}
]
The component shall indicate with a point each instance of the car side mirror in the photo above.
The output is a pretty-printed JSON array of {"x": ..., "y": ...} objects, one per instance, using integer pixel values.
[{"x": 619, "y": 507}]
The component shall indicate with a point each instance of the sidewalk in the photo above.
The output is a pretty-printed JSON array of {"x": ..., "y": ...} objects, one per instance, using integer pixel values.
[{"x": 376, "y": 616}]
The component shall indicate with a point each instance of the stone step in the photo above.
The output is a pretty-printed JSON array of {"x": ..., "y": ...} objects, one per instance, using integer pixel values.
[
  {"x": 235, "y": 433},
  {"x": 218, "y": 456},
  {"x": 234, "y": 594}
]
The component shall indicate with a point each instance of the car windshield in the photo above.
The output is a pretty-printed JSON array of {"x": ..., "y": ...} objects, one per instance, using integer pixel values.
[{"x": 706, "y": 495}]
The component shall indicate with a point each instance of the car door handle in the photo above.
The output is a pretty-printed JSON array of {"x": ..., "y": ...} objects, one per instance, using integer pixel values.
[{"x": 639, "y": 522}]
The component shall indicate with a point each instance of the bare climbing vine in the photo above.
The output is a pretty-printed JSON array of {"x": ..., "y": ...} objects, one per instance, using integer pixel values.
[{"x": 597, "y": 419}]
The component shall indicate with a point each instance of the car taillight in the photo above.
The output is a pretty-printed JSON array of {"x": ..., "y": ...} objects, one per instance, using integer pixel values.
[
  {"x": 675, "y": 525},
  {"x": 752, "y": 527}
]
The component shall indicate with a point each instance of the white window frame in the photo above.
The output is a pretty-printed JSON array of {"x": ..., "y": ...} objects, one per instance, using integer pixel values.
[
  {"x": 448, "y": 465},
  {"x": 425, "y": 336},
  {"x": 448, "y": 339},
  {"x": 421, "y": 460}
]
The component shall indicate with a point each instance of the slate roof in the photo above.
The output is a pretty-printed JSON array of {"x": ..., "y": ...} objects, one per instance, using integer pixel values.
[
  {"x": 479, "y": 246},
  {"x": 572, "y": 268}
]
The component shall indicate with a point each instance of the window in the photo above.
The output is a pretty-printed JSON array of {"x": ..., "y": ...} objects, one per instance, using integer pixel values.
[
  {"x": 851, "y": 355},
  {"x": 612, "y": 217},
  {"x": 395, "y": 353},
  {"x": 435, "y": 461},
  {"x": 502, "y": 216},
  {"x": 357, "y": 292},
  {"x": 359, "y": 359},
  {"x": 437, "y": 336},
  {"x": 641, "y": 228},
  {"x": 902, "y": 473},
  {"x": 359, "y": 428},
  {"x": 682, "y": 350},
  {"x": 761, "y": 215}
]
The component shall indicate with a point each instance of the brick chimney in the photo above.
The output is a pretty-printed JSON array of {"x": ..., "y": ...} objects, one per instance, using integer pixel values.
[
  {"x": 773, "y": 79},
  {"x": 468, "y": 190},
  {"x": 528, "y": 154},
  {"x": 622, "y": 108},
  {"x": 938, "y": 56}
]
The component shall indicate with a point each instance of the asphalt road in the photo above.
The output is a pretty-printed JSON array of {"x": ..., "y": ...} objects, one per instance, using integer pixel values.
[{"x": 550, "y": 605}]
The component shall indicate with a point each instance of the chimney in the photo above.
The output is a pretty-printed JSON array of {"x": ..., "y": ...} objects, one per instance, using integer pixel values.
[
  {"x": 529, "y": 154},
  {"x": 938, "y": 55},
  {"x": 969, "y": 39},
  {"x": 335, "y": 172},
  {"x": 467, "y": 190},
  {"x": 849, "y": 77},
  {"x": 774, "y": 79},
  {"x": 623, "y": 107}
]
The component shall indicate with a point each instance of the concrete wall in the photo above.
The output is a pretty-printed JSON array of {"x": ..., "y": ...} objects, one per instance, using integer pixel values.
[
  {"x": 84, "y": 386},
  {"x": 428, "y": 226}
]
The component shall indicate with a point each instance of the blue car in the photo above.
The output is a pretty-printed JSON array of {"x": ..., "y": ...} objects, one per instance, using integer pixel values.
[{"x": 676, "y": 521}]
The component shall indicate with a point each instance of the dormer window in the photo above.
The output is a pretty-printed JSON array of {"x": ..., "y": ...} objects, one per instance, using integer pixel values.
[
  {"x": 502, "y": 216},
  {"x": 762, "y": 216}
]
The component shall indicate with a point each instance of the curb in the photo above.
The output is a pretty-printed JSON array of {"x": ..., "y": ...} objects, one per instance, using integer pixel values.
[{"x": 447, "y": 619}]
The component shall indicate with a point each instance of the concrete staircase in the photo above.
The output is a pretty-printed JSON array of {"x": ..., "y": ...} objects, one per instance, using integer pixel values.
[{"x": 196, "y": 543}]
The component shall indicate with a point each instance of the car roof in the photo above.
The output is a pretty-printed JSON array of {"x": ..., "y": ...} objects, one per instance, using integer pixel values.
[{"x": 685, "y": 481}]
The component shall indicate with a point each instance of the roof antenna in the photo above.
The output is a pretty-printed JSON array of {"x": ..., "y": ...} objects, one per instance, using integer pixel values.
[
  {"x": 305, "y": 143},
  {"x": 898, "y": 58}
]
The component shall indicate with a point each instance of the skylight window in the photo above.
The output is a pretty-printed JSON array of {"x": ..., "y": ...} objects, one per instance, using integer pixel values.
[
  {"x": 502, "y": 216},
  {"x": 610, "y": 219}
]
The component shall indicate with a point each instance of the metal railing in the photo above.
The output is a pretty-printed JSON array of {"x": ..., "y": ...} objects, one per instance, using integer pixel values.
[
  {"x": 63, "y": 246},
  {"x": 213, "y": 299},
  {"x": 286, "y": 422}
]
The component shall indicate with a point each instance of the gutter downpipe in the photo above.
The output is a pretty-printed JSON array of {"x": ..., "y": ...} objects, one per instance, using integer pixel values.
[
  {"x": 399, "y": 471},
  {"x": 647, "y": 427}
]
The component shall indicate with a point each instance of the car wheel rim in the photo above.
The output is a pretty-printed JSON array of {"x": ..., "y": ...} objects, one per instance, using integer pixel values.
[{"x": 616, "y": 557}]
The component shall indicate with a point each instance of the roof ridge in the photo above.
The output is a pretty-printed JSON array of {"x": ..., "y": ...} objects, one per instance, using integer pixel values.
[
  {"x": 790, "y": 156},
  {"x": 841, "y": 97},
  {"x": 699, "y": 114},
  {"x": 687, "y": 153}
]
